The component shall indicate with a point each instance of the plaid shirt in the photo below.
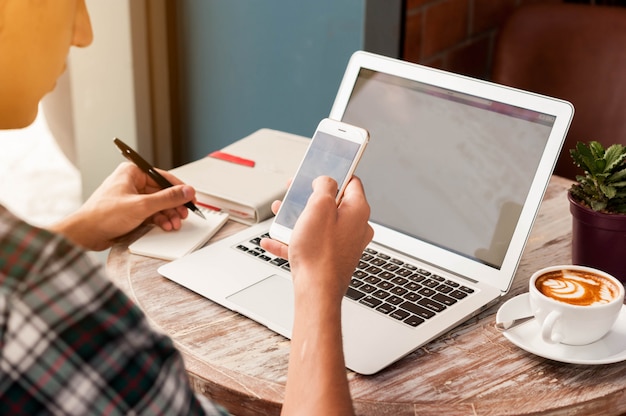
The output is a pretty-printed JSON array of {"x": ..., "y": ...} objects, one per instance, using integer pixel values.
[{"x": 72, "y": 343}]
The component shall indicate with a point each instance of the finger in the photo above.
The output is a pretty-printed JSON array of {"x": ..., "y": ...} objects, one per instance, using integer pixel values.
[
  {"x": 357, "y": 209},
  {"x": 322, "y": 200},
  {"x": 354, "y": 197},
  {"x": 354, "y": 189},
  {"x": 325, "y": 185},
  {"x": 162, "y": 221},
  {"x": 168, "y": 220},
  {"x": 174, "y": 197},
  {"x": 275, "y": 247},
  {"x": 276, "y": 206}
]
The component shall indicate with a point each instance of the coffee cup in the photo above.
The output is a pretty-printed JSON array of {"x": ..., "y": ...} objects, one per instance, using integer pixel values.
[{"x": 574, "y": 305}]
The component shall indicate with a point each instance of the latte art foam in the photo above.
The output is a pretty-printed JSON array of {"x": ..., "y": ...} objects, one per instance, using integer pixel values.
[{"x": 576, "y": 287}]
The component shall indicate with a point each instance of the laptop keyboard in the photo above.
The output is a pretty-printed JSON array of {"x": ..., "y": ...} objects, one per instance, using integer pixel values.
[{"x": 387, "y": 285}]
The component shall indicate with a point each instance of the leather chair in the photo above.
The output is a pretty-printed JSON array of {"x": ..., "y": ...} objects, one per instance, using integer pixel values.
[{"x": 574, "y": 52}]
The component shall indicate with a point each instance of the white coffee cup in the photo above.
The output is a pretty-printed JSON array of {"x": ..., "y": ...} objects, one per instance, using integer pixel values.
[{"x": 578, "y": 306}]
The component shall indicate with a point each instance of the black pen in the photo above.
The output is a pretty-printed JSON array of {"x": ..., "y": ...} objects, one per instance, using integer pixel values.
[{"x": 134, "y": 157}]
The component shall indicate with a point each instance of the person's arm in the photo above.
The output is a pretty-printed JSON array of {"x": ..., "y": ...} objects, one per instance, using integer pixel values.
[
  {"x": 126, "y": 199},
  {"x": 326, "y": 245}
]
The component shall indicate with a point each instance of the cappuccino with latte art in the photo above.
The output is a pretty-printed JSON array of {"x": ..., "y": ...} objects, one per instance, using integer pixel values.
[
  {"x": 577, "y": 287},
  {"x": 574, "y": 305}
]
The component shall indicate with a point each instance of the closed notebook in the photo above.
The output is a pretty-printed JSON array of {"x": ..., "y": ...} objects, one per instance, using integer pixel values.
[
  {"x": 171, "y": 245},
  {"x": 247, "y": 175}
]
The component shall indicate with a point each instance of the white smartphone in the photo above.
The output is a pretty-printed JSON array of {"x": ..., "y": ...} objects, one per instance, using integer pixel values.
[{"x": 334, "y": 151}]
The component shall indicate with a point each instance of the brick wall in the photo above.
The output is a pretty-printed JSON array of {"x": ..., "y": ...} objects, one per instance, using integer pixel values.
[{"x": 456, "y": 35}]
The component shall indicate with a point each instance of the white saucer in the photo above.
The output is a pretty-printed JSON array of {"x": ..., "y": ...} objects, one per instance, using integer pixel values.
[{"x": 610, "y": 349}]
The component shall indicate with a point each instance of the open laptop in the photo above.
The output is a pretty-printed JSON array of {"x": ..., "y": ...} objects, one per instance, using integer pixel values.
[{"x": 455, "y": 171}]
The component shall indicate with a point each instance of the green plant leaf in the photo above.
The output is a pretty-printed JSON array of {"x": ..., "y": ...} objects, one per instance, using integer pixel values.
[
  {"x": 608, "y": 191},
  {"x": 599, "y": 166},
  {"x": 614, "y": 156},
  {"x": 598, "y": 205},
  {"x": 617, "y": 178},
  {"x": 603, "y": 186},
  {"x": 582, "y": 156},
  {"x": 596, "y": 149}
]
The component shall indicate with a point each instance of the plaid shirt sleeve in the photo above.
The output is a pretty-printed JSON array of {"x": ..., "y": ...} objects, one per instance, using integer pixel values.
[{"x": 71, "y": 343}]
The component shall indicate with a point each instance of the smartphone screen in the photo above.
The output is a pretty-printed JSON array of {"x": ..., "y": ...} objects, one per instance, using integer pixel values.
[{"x": 327, "y": 155}]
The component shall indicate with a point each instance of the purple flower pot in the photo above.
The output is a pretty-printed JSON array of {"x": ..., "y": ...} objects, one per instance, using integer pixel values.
[{"x": 598, "y": 239}]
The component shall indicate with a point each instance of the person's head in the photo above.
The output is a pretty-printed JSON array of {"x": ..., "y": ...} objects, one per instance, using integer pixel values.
[{"x": 35, "y": 37}]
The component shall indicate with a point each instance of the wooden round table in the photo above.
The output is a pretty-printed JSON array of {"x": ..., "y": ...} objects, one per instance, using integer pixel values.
[{"x": 471, "y": 370}]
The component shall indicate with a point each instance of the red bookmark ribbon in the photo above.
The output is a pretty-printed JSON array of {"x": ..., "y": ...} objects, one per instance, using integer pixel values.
[{"x": 232, "y": 158}]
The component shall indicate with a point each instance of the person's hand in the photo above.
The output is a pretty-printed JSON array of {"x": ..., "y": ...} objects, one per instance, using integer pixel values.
[
  {"x": 327, "y": 240},
  {"x": 325, "y": 247},
  {"x": 126, "y": 199}
]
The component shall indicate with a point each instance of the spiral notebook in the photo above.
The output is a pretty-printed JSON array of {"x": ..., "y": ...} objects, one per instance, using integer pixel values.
[{"x": 171, "y": 245}]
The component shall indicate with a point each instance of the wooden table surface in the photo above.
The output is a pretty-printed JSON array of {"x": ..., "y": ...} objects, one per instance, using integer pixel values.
[{"x": 471, "y": 370}]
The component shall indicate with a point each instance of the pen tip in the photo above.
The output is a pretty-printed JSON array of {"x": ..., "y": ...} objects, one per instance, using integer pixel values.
[{"x": 197, "y": 211}]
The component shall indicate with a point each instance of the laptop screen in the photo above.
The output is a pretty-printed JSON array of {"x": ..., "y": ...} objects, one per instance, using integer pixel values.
[{"x": 459, "y": 168}]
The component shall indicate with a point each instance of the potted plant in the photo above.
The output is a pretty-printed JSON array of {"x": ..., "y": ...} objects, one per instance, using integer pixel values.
[{"x": 598, "y": 207}]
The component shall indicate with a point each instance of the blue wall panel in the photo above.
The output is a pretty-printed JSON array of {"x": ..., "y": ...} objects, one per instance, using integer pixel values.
[{"x": 249, "y": 64}]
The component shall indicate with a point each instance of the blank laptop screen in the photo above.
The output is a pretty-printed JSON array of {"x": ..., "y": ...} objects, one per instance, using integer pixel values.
[{"x": 459, "y": 168}]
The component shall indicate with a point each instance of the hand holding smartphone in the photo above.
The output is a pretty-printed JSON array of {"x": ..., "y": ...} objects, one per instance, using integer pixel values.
[{"x": 334, "y": 151}]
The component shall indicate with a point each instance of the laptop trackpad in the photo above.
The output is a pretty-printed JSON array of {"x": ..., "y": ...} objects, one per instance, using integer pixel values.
[{"x": 269, "y": 301}]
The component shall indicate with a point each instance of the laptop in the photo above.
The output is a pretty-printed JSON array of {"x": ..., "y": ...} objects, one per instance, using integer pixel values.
[{"x": 455, "y": 172}]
